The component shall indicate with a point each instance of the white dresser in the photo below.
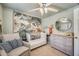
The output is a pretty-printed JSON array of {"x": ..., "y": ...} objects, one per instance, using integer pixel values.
[{"x": 62, "y": 43}]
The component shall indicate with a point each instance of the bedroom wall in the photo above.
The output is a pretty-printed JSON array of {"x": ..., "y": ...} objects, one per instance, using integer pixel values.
[
  {"x": 52, "y": 20},
  {"x": 8, "y": 20}
]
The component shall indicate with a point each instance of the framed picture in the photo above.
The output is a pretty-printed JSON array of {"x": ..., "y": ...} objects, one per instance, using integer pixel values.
[{"x": 22, "y": 21}]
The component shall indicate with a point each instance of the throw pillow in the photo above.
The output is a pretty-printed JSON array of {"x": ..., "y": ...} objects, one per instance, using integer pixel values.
[
  {"x": 24, "y": 38},
  {"x": 22, "y": 34},
  {"x": 6, "y": 46},
  {"x": 0, "y": 40},
  {"x": 14, "y": 43},
  {"x": 0, "y": 47},
  {"x": 19, "y": 42},
  {"x": 32, "y": 37},
  {"x": 36, "y": 36}
]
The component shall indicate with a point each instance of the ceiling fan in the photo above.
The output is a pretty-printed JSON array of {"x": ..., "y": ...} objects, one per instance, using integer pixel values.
[{"x": 44, "y": 8}]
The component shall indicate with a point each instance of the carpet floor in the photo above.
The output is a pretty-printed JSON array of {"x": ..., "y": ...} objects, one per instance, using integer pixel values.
[{"x": 46, "y": 50}]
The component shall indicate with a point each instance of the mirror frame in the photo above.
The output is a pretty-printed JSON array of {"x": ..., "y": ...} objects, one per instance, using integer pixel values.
[{"x": 60, "y": 21}]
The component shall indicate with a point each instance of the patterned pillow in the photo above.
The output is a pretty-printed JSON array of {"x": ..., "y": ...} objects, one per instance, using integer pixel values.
[
  {"x": 19, "y": 42},
  {"x": 0, "y": 40},
  {"x": 1, "y": 46},
  {"x": 13, "y": 43},
  {"x": 6, "y": 46},
  {"x": 35, "y": 36}
]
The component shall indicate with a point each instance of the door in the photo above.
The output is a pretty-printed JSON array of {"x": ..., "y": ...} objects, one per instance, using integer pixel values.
[{"x": 76, "y": 32}]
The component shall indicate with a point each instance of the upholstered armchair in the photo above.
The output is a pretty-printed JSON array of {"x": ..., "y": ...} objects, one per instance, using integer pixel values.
[
  {"x": 34, "y": 43},
  {"x": 23, "y": 50}
]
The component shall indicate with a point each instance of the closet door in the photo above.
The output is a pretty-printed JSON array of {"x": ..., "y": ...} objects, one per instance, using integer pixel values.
[{"x": 76, "y": 32}]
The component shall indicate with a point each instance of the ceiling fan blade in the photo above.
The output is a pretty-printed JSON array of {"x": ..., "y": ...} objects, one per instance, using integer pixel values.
[
  {"x": 41, "y": 11},
  {"x": 52, "y": 9},
  {"x": 48, "y": 4},
  {"x": 45, "y": 10},
  {"x": 33, "y": 10}
]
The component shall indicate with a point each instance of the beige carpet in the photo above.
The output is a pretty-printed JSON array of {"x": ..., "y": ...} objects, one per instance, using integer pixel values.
[{"x": 46, "y": 50}]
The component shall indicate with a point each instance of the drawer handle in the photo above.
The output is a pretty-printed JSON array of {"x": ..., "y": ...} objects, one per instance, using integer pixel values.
[{"x": 75, "y": 37}]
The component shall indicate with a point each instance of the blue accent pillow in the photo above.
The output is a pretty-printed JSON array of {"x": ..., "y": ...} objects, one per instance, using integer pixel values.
[
  {"x": 19, "y": 42},
  {"x": 13, "y": 43},
  {"x": 6, "y": 46},
  {"x": 0, "y": 40},
  {"x": 0, "y": 47}
]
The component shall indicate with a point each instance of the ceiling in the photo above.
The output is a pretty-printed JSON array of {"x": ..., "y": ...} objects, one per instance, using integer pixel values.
[{"x": 24, "y": 7}]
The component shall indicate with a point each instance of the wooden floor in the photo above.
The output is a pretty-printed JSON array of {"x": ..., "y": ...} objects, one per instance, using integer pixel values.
[{"x": 46, "y": 50}]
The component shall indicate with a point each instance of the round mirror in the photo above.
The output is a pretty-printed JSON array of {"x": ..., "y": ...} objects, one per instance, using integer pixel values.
[{"x": 63, "y": 24}]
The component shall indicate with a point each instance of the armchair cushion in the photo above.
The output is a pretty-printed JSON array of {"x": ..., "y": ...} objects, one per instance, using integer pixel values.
[
  {"x": 18, "y": 51},
  {"x": 26, "y": 44},
  {"x": 6, "y": 46},
  {"x": 3, "y": 53}
]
